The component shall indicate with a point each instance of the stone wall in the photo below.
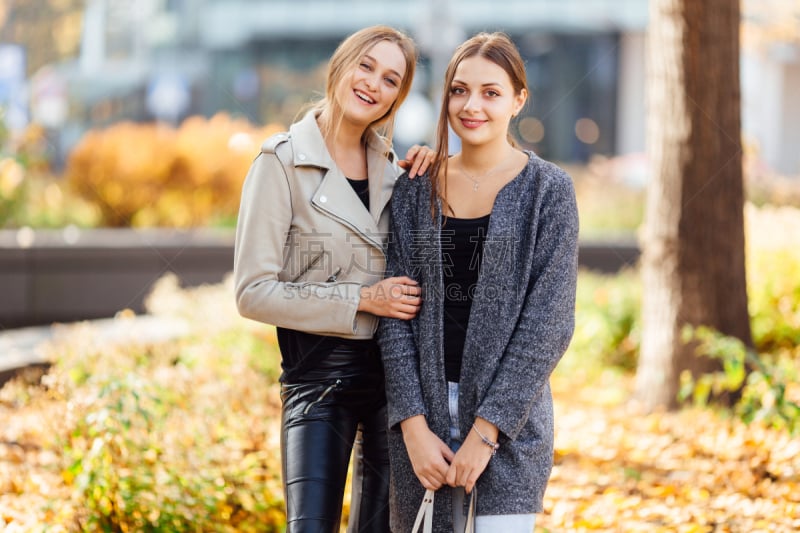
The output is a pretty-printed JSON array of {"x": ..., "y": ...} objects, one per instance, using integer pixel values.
[{"x": 70, "y": 275}]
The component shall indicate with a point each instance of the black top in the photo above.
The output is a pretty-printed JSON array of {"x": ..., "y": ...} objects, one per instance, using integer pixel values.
[
  {"x": 462, "y": 251},
  {"x": 303, "y": 354},
  {"x": 361, "y": 187},
  {"x": 301, "y": 351}
]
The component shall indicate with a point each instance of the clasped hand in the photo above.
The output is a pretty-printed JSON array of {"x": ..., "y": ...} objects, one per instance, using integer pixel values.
[
  {"x": 469, "y": 462},
  {"x": 435, "y": 464}
]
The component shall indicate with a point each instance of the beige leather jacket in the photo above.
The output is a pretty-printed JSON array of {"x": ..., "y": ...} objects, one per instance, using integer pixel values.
[{"x": 305, "y": 244}]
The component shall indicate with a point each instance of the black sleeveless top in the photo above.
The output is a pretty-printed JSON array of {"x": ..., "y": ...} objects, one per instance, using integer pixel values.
[{"x": 462, "y": 251}]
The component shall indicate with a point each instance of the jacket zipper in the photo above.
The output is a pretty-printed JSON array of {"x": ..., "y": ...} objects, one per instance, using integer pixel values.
[
  {"x": 309, "y": 267},
  {"x": 333, "y": 276},
  {"x": 349, "y": 225}
]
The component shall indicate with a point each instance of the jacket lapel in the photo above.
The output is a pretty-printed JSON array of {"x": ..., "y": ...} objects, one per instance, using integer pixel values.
[{"x": 335, "y": 197}]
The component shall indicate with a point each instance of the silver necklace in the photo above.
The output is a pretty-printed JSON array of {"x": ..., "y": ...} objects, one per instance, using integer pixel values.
[{"x": 476, "y": 183}]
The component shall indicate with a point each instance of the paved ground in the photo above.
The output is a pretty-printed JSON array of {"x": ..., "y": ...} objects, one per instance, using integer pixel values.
[{"x": 20, "y": 348}]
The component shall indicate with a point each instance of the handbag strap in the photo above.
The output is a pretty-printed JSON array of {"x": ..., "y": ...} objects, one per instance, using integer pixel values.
[
  {"x": 425, "y": 514},
  {"x": 471, "y": 513}
]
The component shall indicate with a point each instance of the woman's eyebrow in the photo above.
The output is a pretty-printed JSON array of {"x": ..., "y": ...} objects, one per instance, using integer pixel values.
[
  {"x": 391, "y": 70},
  {"x": 488, "y": 84}
]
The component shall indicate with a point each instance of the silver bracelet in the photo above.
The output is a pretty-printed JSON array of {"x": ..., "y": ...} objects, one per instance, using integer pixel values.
[{"x": 493, "y": 445}]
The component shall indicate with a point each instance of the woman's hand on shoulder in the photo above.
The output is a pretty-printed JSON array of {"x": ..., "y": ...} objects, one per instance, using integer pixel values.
[
  {"x": 429, "y": 455},
  {"x": 418, "y": 160},
  {"x": 398, "y": 297}
]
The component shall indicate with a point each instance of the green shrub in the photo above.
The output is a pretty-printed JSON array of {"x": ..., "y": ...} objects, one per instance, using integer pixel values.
[
  {"x": 766, "y": 376},
  {"x": 767, "y": 382},
  {"x": 606, "y": 321},
  {"x": 773, "y": 267},
  {"x": 139, "y": 465},
  {"x": 175, "y": 436}
]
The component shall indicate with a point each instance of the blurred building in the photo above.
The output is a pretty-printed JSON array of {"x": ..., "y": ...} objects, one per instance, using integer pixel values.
[
  {"x": 263, "y": 59},
  {"x": 771, "y": 105}
]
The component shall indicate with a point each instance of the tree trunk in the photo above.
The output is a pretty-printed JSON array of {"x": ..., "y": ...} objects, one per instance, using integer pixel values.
[{"x": 693, "y": 237}]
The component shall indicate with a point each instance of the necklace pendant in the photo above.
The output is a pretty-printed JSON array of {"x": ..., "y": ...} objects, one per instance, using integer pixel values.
[{"x": 475, "y": 187}]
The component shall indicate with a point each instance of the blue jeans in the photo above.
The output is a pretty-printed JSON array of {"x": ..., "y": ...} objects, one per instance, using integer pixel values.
[{"x": 507, "y": 523}]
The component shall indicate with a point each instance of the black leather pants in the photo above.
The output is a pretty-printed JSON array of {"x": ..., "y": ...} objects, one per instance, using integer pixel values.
[{"x": 323, "y": 417}]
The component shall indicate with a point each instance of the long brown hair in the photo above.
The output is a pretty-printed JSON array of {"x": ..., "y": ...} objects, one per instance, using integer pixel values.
[
  {"x": 345, "y": 59},
  {"x": 499, "y": 49}
]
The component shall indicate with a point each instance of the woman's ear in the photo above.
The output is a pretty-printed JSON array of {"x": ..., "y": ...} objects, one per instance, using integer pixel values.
[{"x": 519, "y": 101}]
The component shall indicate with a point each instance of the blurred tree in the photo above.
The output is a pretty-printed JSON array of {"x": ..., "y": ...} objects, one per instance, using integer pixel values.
[
  {"x": 50, "y": 30},
  {"x": 693, "y": 236}
]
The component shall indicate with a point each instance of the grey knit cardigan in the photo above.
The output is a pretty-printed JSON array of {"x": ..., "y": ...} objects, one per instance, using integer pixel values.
[{"x": 521, "y": 322}]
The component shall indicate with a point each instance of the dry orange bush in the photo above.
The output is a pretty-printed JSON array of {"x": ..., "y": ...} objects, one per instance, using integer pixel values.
[{"x": 154, "y": 175}]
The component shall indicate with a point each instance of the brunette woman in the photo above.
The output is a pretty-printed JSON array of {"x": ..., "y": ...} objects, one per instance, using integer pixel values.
[{"x": 491, "y": 236}]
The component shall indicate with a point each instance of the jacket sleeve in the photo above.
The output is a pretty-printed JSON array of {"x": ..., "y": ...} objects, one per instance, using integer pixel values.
[
  {"x": 547, "y": 319},
  {"x": 265, "y": 217},
  {"x": 396, "y": 337}
]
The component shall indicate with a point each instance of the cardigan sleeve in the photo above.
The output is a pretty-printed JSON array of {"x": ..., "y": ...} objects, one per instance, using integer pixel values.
[
  {"x": 396, "y": 337},
  {"x": 547, "y": 319}
]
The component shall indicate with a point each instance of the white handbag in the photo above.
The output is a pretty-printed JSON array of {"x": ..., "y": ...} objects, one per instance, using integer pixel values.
[{"x": 425, "y": 513}]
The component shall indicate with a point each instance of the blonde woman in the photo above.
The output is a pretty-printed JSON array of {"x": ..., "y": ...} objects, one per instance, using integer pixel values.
[
  {"x": 309, "y": 258},
  {"x": 491, "y": 236}
]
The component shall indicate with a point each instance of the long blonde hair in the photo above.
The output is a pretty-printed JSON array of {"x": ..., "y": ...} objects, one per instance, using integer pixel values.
[
  {"x": 499, "y": 49},
  {"x": 345, "y": 59}
]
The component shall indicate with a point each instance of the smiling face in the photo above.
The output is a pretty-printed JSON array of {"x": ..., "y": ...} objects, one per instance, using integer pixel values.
[
  {"x": 482, "y": 101},
  {"x": 367, "y": 94}
]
